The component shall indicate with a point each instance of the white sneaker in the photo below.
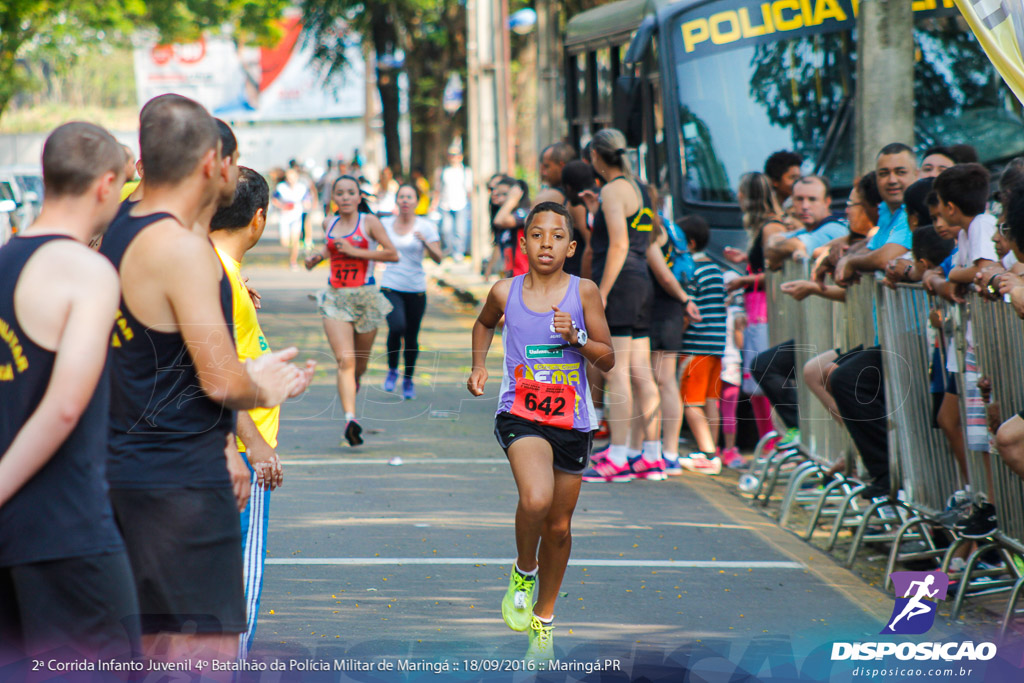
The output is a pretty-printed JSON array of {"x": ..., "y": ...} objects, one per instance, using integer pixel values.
[{"x": 699, "y": 462}]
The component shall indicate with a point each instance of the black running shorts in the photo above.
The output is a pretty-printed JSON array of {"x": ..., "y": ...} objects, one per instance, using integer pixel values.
[
  {"x": 628, "y": 309},
  {"x": 73, "y": 608},
  {"x": 185, "y": 546},
  {"x": 570, "y": 447},
  {"x": 667, "y": 324}
]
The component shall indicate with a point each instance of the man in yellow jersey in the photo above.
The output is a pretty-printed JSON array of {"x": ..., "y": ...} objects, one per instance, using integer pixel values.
[
  {"x": 236, "y": 229},
  {"x": 130, "y": 182}
]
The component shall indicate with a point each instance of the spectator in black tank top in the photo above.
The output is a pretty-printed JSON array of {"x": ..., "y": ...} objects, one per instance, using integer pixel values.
[
  {"x": 65, "y": 579},
  {"x": 165, "y": 465},
  {"x": 623, "y": 223}
]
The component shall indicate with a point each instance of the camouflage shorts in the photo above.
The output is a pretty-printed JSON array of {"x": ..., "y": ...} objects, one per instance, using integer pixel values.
[{"x": 365, "y": 307}]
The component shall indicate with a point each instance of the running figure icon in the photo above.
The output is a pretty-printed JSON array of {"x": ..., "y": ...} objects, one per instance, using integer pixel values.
[
  {"x": 918, "y": 595},
  {"x": 915, "y": 607}
]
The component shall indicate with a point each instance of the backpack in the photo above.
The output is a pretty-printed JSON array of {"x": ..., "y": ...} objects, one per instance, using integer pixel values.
[{"x": 678, "y": 257}]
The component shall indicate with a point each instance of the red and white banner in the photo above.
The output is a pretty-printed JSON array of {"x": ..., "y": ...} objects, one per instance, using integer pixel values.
[{"x": 240, "y": 83}]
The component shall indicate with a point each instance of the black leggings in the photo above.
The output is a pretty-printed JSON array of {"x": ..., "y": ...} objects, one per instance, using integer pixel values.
[{"x": 404, "y": 323}]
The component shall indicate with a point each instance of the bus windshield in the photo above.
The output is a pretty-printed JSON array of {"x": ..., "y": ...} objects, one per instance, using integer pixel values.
[{"x": 737, "y": 106}]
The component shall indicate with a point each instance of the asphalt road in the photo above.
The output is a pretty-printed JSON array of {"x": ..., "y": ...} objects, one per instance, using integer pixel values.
[{"x": 404, "y": 566}]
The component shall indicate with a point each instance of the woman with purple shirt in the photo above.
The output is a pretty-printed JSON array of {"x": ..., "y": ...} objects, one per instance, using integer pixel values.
[{"x": 554, "y": 323}]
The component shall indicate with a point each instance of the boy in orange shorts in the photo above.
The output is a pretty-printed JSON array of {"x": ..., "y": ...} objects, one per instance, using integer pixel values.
[{"x": 701, "y": 355}]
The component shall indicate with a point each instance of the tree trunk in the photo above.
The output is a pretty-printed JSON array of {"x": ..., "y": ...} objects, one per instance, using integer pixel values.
[
  {"x": 385, "y": 42},
  {"x": 387, "y": 86}
]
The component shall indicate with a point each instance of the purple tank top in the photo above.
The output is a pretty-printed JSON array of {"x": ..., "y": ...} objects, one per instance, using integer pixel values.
[{"x": 535, "y": 352}]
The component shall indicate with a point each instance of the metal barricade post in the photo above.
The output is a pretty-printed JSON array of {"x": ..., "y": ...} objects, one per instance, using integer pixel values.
[
  {"x": 928, "y": 468},
  {"x": 924, "y": 461},
  {"x": 998, "y": 345},
  {"x": 822, "y": 327}
]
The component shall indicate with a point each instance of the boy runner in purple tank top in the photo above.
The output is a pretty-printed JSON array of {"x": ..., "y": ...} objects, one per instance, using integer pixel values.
[{"x": 553, "y": 323}]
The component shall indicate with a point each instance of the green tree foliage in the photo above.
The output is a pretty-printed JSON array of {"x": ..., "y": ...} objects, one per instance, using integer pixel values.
[
  {"x": 59, "y": 30},
  {"x": 430, "y": 34}
]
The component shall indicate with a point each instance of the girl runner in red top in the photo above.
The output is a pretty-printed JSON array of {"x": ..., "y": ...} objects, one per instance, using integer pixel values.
[
  {"x": 554, "y": 322},
  {"x": 352, "y": 306}
]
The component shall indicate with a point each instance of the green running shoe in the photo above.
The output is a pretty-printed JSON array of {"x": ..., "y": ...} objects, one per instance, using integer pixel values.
[
  {"x": 542, "y": 646},
  {"x": 517, "y": 605},
  {"x": 790, "y": 439}
]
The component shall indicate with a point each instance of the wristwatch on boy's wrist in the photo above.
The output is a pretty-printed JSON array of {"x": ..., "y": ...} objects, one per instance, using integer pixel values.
[{"x": 581, "y": 338}]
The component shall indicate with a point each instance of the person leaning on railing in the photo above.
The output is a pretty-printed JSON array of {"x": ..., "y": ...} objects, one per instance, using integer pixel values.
[
  {"x": 854, "y": 379},
  {"x": 817, "y": 225},
  {"x": 771, "y": 368},
  {"x": 963, "y": 192}
]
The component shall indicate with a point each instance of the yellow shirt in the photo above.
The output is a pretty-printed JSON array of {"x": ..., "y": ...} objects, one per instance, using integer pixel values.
[
  {"x": 128, "y": 188},
  {"x": 423, "y": 207},
  {"x": 251, "y": 344}
]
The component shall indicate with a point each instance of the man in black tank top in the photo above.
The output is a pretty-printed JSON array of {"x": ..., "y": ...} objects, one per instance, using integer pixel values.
[
  {"x": 65, "y": 579},
  {"x": 552, "y": 160},
  {"x": 171, "y": 430}
]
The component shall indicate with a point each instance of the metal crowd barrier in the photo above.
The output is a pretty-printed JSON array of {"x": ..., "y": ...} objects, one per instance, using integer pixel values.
[
  {"x": 782, "y": 325},
  {"x": 860, "y": 320},
  {"x": 999, "y": 349},
  {"x": 920, "y": 455},
  {"x": 783, "y": 310},
  {"x": 822, "y": 439},
  {"x": 862, "y": 323},
  {"x": 785, "y": 322},
  {"x": 815, "y": 325},
  {"x": 923, "y": 469}
]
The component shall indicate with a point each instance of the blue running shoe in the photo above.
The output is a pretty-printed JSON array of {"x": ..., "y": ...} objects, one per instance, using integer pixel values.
[
  {"x": 672, "y": 467},
  {"x": 390, "y": 380}
]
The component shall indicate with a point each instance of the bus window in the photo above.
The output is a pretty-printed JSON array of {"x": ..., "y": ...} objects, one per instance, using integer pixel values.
[{"x": 737, "y": 106}]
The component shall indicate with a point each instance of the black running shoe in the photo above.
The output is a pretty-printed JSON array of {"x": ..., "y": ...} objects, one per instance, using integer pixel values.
[
  {"x": 981, "y": 524},
  {"x": 354, "y": 433},
  {"x": 875, "y": 489}
]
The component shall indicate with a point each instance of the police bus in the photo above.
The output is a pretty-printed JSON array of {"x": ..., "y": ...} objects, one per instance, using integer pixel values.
[{"x": 707, "y": 89}]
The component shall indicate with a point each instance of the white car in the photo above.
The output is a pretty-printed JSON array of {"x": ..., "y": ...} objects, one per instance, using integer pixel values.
[
  {"x": 8, "y": 207},
  {"x": 26, "y": 189}
]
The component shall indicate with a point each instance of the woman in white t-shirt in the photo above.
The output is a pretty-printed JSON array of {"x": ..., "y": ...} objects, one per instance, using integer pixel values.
[{"x": 405, "y": 284}]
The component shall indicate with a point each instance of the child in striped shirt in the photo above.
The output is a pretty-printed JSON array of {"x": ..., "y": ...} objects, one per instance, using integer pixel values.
[{"x": 701, "y": 354}]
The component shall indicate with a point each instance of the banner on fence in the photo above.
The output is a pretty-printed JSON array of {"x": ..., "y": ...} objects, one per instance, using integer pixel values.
[{"x": 245, "y": 83}]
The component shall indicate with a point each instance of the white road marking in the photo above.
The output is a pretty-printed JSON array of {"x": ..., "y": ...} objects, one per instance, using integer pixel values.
[{"x": 473, "y": 561}]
